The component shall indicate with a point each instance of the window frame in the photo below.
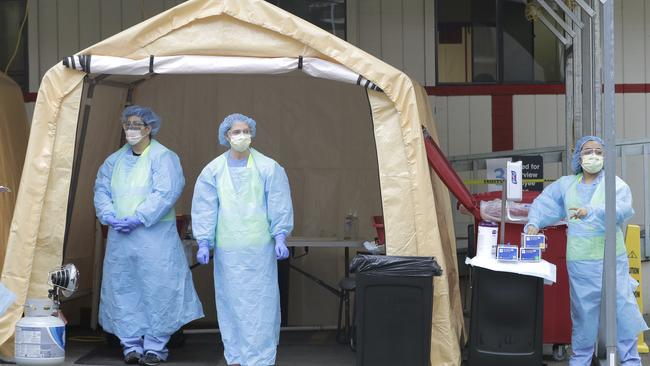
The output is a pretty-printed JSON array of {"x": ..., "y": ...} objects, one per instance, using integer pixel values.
[{"x": 499, "y": 14}]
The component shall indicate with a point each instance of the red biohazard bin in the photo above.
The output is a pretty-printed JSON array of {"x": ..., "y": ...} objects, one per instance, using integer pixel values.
[{"x": 557, "y": 318}]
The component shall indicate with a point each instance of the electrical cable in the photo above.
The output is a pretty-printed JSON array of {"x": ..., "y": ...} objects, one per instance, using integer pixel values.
[{"x": 19, "y": 38}]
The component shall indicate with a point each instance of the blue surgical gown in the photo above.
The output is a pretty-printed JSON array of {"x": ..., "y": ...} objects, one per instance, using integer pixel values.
[
  {"x": 246, "y": 283},
  {"x": 147, "y": 287},
  {"x": 585, "y": 275}
]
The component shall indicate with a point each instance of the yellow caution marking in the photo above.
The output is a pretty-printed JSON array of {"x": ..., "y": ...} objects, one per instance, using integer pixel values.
[
  {"x": 633, "y": 244},
  {"x": 500, "y": 181}
]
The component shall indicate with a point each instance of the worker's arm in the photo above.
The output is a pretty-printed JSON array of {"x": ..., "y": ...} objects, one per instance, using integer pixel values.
[
  {"x": 548, "y": 208},
  {"x": 205, "y": 206},
  {"x": 278, "y": 202},
  {"x": 167, "y": 184},
  {"x": 624, "y": 211},
  {"x": 103, "y": 197}
]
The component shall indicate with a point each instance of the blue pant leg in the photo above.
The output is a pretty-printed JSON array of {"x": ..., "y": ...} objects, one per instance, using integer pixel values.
[
  {"x": 131, "y": 344},
  {"x": 157, "y": 346},
  {"x": 582, "y": 356},
  {"x": 628, "y": 352}
]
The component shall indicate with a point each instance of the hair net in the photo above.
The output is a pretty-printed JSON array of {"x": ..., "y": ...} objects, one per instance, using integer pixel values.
[
  {"x": 146, "y": 114},
  {"x": 575, "y": 162},
  {"x": 227, "y": 125}
]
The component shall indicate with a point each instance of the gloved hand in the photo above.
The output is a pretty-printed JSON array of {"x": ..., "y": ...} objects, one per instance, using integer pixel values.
[
  {"x": 203, "y": 255},
  {"x": 114, "y": 223},
  {"x": 128, "y": 224},
  {"x": 281, "y": 250}
]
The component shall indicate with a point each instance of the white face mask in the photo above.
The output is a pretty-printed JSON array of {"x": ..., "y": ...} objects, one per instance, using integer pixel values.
[
  {"x": 240, "y": 142},
  {"x": 592, "y": 164},
  {"x": 134, "y": 136}
]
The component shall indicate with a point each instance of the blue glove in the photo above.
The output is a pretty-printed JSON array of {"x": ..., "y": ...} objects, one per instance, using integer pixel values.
[
  {"x": 281, "y": 250},
  {"x": 114, "y": 223},
  {"x": 203, "y": 255},
  {"x": 128, "y": 224}
]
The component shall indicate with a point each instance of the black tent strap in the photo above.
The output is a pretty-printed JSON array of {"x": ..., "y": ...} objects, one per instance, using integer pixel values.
[
  {"x": 81, "y": 63},
  {"x": 299, "y": 62}
]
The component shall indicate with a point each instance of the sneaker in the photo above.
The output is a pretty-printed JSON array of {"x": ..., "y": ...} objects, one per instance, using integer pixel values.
[
  {"x": 150, "y": 359},
  {"x": 132, "y": 358}
]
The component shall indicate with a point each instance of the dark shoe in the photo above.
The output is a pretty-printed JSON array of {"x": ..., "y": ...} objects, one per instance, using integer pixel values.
[
  {"x": 150, "y": 359},
  {"x": 132, "y": 358}
]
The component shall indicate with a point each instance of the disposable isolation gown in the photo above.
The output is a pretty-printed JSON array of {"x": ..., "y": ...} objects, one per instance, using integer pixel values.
[
  {"x": 147, "y": 286},
  {"x": 585, "y": 253},
  {"x": 241, "y": 209}
]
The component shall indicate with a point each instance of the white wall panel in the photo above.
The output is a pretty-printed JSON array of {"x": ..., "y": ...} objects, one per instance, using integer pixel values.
[
  {"x": 430, "y": 42},
  {"x": 392, "y": 33},
  {"x": 561, "y": 119},
  {"x": 618, "y": 41},
  {"x": 439, "y": 105},
  {"x": 47, "y": 36},
  {"x": 68, "y": 27},
  {"x": 634, "y": 107},
  {"x": 370, "y": 26},
  {"x": 480, "y": 128},
  {"x": 414, "y": 47},
  {"x": 523, "y": 121},
  {"x": 620, "y": 115},
  {"x": 458, "y": 119},
  {"x": 633, "y": 44},
  {"x": 545, "y": 121},
  {"x": 89, "y": 25},
  {"x": 111, "y": 18}
]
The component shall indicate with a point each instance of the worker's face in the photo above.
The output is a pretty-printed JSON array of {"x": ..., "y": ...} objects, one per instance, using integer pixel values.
[
  {"x": 591, "y": 148},
  {"x": 134, "y": 123},
  {"x": 238, "y": 128}
]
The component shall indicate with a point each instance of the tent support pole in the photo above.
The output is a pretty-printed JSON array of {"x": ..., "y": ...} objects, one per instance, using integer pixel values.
[{"x": 76, "y": 164}]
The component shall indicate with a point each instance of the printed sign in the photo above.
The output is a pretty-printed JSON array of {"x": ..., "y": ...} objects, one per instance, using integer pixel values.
[{"x": 532, "y": 167}]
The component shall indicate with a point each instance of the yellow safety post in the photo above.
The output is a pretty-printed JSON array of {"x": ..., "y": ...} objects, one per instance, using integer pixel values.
[{"x": 633, "y": 244}]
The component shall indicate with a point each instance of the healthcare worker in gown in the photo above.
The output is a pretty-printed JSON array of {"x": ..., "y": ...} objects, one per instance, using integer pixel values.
[
  {"x": 147, "y": 290},
  {"x": 580, "y": 198},
  {"x": 242, "y": 209}
]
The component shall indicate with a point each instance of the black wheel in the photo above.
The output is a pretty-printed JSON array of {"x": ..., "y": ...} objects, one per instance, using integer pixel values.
[{"x": 560, "y": 352}]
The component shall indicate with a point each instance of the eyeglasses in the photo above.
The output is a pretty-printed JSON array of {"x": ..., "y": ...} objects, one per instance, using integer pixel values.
[
  {"x": 589, "y": 151},
  {"x": 238, "y": 132},
  {"x": 133, "y": 124}
]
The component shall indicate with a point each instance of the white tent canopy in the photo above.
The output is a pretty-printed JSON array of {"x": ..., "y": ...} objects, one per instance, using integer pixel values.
[{"x": 344, "y": 147}]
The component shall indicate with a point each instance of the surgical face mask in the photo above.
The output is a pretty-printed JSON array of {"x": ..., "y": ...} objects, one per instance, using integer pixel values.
[
  {"x": 134, "y": 136},
  {"x": 592, "y": 163},
  {"x": 240, "y": 142}
]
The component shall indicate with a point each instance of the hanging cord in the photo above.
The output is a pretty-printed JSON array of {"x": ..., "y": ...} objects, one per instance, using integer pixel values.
[
  {"x": 532, "y": 12},
  {"x": 20, "y": 34}
]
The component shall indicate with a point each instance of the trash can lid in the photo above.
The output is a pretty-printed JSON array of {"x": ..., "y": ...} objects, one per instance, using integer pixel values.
[{"x": 395, "y": 265}]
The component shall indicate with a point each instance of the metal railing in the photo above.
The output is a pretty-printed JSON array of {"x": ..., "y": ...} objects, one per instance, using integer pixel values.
[{"x": 625, "y": 149}]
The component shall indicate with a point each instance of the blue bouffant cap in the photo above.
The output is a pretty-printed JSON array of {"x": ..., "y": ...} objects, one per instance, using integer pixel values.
[{"x": 227, "y": 123}]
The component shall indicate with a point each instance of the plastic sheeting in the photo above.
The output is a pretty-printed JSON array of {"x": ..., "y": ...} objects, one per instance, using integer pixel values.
[
  {"x": 395, "y": 265},
  {"x": 416, "y": 206}
]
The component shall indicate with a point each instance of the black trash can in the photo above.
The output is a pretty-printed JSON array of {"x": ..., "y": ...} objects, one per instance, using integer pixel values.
[
  {"x": 507, "y": 319},
  {"x": 394, "y": 301}
]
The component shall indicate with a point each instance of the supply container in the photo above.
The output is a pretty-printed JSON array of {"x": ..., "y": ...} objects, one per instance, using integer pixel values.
[
  {"x": 486, "y": 244},
  {"x": 40, "y": 337}
]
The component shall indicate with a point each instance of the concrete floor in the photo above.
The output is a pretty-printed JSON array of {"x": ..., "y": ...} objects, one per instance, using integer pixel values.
[{"x": 296, "y": 349}]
